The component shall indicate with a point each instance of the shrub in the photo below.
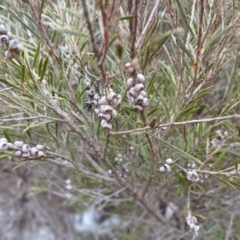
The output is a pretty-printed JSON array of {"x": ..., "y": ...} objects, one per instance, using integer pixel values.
[{"x": 134, "y": 105}]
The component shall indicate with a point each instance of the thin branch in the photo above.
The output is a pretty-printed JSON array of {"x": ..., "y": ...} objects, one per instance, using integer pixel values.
[
  {"x": 103, "y": 49},
  {"x": 43, "y": 31},
  {"x": 199, "y": 47},
  {"x": 81, "y": 169},
  {"x": 89, "y": 26},
  {"x": 133, "y": 29},
  {"x": 160, "y": 125},
  {"x": 106, "y": 146},
  {"x": 152, "y": 162}
]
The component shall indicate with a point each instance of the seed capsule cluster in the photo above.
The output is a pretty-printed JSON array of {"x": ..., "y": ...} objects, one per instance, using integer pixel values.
[
  {"x": 20, "y": 149},
  {"x": 13, "y": 47},
  {"x": 121, "y": 167},
  {"x": 104, "y": 107},
  {"x": 137, "y": 94},
  {"x": 166, "y": 167}
]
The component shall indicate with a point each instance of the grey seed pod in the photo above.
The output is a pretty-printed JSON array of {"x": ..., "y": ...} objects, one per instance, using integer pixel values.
[
  {"x": 96, "y": 97},
  {"x": 40, "y": 147},
  {"x": 139, "y": 100},
  {"x": 118, "y": 96},
  {"x": 138, "y": 107},
  {"x": 106, "y": 109},
  {"x": 3, "y": 140},
  {"x": 145, "y": 102},
  {"x": 140, "y": 78},
  {"x": 17, "y": 153},
  {"x": 91, "y": 92},
  {"x": 9, "y": 55},
  {"x": 13, "y": 44},
  {"x": 106, "y": 125},
  {"x": 143, "y": 93},
  {"x": 18, "y": 144},
  {"x": 19, "y": 48},
  {"x": 129, "y": 68},
  {"x": 132, "y": 92},
  {"x": 10, "y": 35},
  {"x": 139, "y": 87},
  {"x": 40, "y": 154},
  {"x": 26, "y": 154},
  {"x": 111, "y": 90},
  {"x": 110, "y": 173},
  {"x": 44, "y": 82},
  {"x": 4, "y": 39},
  {"x": 114, "y": 114},
  {"x": 26, "y": 148},
  {"x": 105, "y": 116},
  {"x": 102, "y": 101},
  {"x": 97, "y": 111},
  {"x": 130, "y": 82},
  {"x": 132, "y": 100},
  {"x": 169, "y": 161},
  {"x": 33, "y": 151},
  {"x": 162, "y": 169},
  {"x": 3, "y": 29},
  {"x": 167, "y": 167},
  {"x": 87, "y": 81},
  {"x": 94, "y": 103},
  {"x": 116, "y": 102},
  {"x": 12, "y": 147},
  {"x": 111, "y": 96},
  {"x": 3, "y": 146}
]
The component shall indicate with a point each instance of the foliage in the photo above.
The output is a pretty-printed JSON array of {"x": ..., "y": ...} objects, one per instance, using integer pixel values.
[{"x": 188, "y": 53}]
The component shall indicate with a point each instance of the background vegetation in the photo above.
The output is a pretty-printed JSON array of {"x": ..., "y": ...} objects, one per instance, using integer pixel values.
[{"x": 188, "y": 53}]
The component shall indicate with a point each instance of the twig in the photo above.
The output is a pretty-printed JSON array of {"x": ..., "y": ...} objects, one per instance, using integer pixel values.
[
  {"x": 103, "y": 49},
  {"x": 81, "y": 170},
  {"x": 133, "y": 29},
  {"x": 89, "y": 26},
  {"x": 230, "y": 226},
  {"x": 160, "y": 125},
  {"x": 152, "y": 165},
  {"x": 106, "y": 146},
  {"x": 199, "y": 48},
  {"x": 93, "y": 163},
  {"x": 43, "y": 31}
]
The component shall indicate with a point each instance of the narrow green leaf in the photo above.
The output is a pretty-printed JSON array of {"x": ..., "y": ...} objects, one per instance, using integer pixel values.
[
  {"x": 44, "y": 68},
  {"x": 9, "y": 83},
  {"x": 23, "y": 73},
  {"x": 186, "y": 111},
  {"x": 188, "y": 156},
  {"x": 128, "y": 17},
  {"x": 36, "y": 124},
  {"x": 36, "y": 55},
  {"x": 152, "y": 112},
  {"x": 69, "y": 31},
  {"x": 184, "y": 17},
  {"x": 225, "y": 181},
  {"x": 7, "y": 136},
  {"x": 81, "y": 93},
  {"x": 20, "y": 20},
  {"x": 150, "y": 86},
  {"x": 41, "y": 8},
  {"x": 83, "y": 46},
  {"x": 68, "y": 10}
]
